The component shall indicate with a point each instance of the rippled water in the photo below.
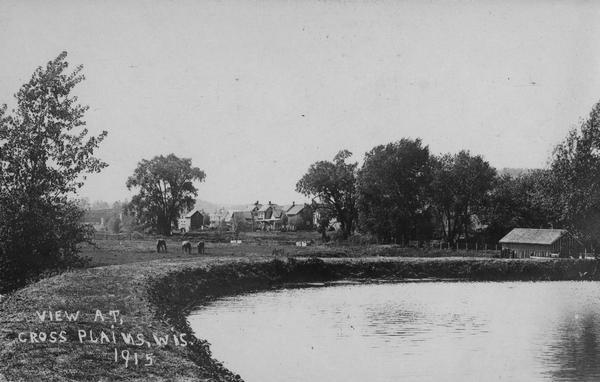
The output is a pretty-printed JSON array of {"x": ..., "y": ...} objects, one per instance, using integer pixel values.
[{"x": 436, "y": 331}]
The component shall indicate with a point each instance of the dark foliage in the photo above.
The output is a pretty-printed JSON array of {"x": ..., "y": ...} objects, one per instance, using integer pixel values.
[
  {"x": 45, "y": 152},
  {"x": 393, "y": 191},
  {"x": 166, "y": 189},
  {"x": 333, "y": 185}
]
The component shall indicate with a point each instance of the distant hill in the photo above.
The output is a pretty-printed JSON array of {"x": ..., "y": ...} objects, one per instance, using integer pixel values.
[{"x": 212, "y": 207}]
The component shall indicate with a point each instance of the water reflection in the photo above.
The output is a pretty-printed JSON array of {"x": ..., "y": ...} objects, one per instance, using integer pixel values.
[
  {"x": 574, "y": 355},
  {"x": 511, "y": 331}
]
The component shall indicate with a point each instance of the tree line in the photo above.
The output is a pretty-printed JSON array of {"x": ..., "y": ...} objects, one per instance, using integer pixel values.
[{"x": 403, "y": 192}]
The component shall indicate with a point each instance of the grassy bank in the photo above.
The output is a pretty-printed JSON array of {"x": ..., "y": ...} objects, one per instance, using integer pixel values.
[{"x": 153, "y": 298}]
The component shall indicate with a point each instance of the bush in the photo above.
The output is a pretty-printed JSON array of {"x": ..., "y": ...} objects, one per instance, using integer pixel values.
[{"x": 362, "y": 239}]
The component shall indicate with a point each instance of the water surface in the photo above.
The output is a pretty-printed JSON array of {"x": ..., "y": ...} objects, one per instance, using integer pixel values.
[{"x": 434, "y": 331}]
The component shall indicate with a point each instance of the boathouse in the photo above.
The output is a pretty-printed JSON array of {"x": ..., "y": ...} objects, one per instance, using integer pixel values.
[{"x": 530, "y": 242}]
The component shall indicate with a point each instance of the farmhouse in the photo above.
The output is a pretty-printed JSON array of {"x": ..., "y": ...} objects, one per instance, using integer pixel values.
[
  {"x": 269, "y": 216},
  {"x": 528, "y": 242},
  {"x": 193, "y": 220}
]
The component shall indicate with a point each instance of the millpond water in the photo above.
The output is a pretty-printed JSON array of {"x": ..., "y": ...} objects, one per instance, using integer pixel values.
[{"x": 417, "y": 331}]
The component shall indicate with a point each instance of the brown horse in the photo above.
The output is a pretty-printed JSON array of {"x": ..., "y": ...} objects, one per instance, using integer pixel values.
[
  {"x": 201, "y": 248},
  {"x": 161, "y": 244},
  {"x": 186, "y": 247}
]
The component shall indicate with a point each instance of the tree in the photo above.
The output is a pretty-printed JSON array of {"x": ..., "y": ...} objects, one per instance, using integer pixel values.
[
  {"x": 166, "y": 189},
  {"x": 45, "y": 154},
  {"x": 334, "y": 185},
  {"x": 324, "y": 218},
  {"x": 393, "y": 189},
  {"x": 575, "y": 185},
  {"x": 519, "y": 201},
  {"x": 461, "y": 183}
]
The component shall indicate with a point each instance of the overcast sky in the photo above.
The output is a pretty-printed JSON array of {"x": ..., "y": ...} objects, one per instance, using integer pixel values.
[{"x": 256, "y": 91}]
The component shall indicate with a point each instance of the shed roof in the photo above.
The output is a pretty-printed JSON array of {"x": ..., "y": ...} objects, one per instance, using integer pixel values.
[{"x": 533, "y": 236}]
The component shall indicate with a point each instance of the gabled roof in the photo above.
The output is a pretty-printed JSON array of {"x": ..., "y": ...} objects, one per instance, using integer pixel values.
[
  {"x": 277, "y": 212},
  {"x": 295, "y": 209},
  {"x": 533, "y": 236},
  {"x": 265, "y": 207},
  {"x": 192, "y": 212}
]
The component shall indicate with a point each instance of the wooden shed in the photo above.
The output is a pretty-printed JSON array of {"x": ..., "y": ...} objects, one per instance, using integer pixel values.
[{"x": 530, "y": 242}]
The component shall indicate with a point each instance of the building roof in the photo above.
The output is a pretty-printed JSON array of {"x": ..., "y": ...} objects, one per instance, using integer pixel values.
[
  {"x": 295, "y": 209},
  {"x": 265, "y": 207},
  {"x": 244, "y": 214},
  {"x": 192, "y": 212},
  {"x": 277, "y": 212},
  {"x": 533, "y": 236}
]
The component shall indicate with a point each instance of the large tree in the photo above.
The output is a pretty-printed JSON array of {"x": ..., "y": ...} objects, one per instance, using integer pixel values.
[
  {"x": 333, "y": 187},
  {"x": 461, "y": 183},
  {"x": 575, "y": 179},
  {"x": 45, "y": 153},
  {"x": 166, "y": 189},
  {"x": 393, "y": 189}
]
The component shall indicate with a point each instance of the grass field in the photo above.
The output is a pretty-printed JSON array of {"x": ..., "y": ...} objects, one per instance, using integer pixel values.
[
  {"x": 153, "y": 292},
  {"x": 112, "y": 252}
]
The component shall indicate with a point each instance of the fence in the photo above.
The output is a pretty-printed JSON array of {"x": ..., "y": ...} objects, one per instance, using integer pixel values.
[{"x": 432, "y": 244}]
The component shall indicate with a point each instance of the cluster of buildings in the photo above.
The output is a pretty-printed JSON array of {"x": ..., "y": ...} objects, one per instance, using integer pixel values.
[
  {"x": 265, "y": 217},
  {"x": 518, "y": 243},
  {"x": 273, "y": 217}
]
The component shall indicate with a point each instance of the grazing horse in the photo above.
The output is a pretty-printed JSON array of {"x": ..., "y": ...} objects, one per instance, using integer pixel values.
[
  {"x": 201, "y": 248},
  {"x": 186, "y": 247},
  {"x": 161, "y": 244}
]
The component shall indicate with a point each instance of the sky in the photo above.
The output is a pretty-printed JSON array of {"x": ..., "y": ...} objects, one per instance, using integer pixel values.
[{"x": 255, "y": 91}]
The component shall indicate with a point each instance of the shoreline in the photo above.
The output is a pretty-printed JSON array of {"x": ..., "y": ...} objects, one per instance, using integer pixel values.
[{"x": 155, "y": 298}]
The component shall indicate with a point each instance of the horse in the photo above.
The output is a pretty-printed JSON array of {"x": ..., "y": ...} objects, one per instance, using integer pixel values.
[
  {"x": 161, "y": 244},
  {"x": 186, "y": 247},
  {"x": 201, "y": 248}
]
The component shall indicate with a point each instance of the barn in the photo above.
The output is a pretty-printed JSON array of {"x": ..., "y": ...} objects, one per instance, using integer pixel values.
[
  {"x": 193, "y": 220},
  {"x": 299, "y": 217},
  {"x": 530, "y": 242}
]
